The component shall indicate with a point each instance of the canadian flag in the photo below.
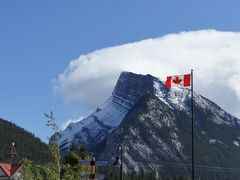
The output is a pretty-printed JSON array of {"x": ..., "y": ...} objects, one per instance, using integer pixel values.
[{"x": 182, "y": 80}]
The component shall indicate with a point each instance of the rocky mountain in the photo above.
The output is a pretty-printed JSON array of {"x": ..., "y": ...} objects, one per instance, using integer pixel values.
[
  {"x": 95, "y": 128},
  {"x": 153, "y": 125}
]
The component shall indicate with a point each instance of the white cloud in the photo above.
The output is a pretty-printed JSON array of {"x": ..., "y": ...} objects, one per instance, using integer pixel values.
[
  {"x": 67, "y": 122},
  {"x": 214, "y": 56}
]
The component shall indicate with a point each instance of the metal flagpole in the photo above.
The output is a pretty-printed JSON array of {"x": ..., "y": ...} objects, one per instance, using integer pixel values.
[
  {"x": 193, "y": 172},
  {"x": 121, "y": 167}
]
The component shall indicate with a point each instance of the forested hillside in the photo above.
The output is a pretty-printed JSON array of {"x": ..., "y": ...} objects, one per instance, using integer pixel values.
[{"x": 27, "y": 145}]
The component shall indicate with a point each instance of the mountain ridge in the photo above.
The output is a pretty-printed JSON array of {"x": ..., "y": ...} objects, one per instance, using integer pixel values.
[{"x": 162, "y": 126}]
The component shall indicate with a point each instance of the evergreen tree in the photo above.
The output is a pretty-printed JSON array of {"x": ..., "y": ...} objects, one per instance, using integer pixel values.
[
  {"x": 83, "y": 152},
  {"x": 53, "y": 168},
  {"x": 72, "y": 157},
  {"x": 27, "y": 170}
]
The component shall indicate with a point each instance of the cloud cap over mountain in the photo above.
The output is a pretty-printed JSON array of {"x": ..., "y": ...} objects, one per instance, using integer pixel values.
[{"x": 213, "y": 55}]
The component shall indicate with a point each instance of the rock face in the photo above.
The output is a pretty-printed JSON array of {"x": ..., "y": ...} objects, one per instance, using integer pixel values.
[
  {"x": 94, "y": 129},
  {"x": 153, "y": 125}
]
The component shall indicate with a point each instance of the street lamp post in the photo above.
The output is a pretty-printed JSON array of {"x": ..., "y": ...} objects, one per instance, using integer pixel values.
[{"x": 116, "y": 162}]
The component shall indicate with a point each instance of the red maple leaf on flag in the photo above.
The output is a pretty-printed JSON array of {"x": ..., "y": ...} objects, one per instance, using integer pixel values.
[{"x": 177, "y": 80}]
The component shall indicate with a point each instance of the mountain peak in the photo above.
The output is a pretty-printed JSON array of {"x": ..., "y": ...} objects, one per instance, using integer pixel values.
[
  {"x": 130, "y": 90},
  {"x": 93, "y": 129},
  {"x": 132, "y": 79},
  {"x": 131, "y": 86}
]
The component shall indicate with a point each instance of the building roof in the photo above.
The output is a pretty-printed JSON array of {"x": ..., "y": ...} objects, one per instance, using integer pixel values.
[{"x": 10, "y": 169}]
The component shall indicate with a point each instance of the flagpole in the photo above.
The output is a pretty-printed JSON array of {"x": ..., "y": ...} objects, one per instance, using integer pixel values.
[{"x": 193, "y": 170}]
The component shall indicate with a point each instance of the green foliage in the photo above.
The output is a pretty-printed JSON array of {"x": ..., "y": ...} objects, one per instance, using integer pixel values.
[
  {"x": 51, "y": 122},
  {"x": 75, "y": 154},
  {"x": 32, "y": 171},
  {"x": 50, "y": 170},
  {"x": 83, "y": 152},
  {"x": 71, "y": 172},
  {"x": 27, "y": 170},
  {"x": 72, "y": 157},
  {"x": 71, "y": 167},
  {"x": 53, "y": 168},
  {"x": 38, "y": 172}
]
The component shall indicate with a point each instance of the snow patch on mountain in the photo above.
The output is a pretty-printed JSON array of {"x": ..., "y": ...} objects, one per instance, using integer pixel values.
[
  {"x": 69, "y": 121},
  {"x": 173, "y": 97},
  {"x": 179, "y": 97},
  {"x": 212, "y": 141},
  {"x": 236, "y": 143},
  {"x": 176, "y": 142},
  {"x": 111, "y": 114},
  {"x": 102, "y": 120}
]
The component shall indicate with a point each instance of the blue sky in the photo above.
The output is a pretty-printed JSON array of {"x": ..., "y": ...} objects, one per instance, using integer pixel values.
[{"x": 38, "y": 39}]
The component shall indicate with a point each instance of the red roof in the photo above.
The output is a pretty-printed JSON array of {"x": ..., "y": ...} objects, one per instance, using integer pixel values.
[{"x": 10, "y": 169}]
